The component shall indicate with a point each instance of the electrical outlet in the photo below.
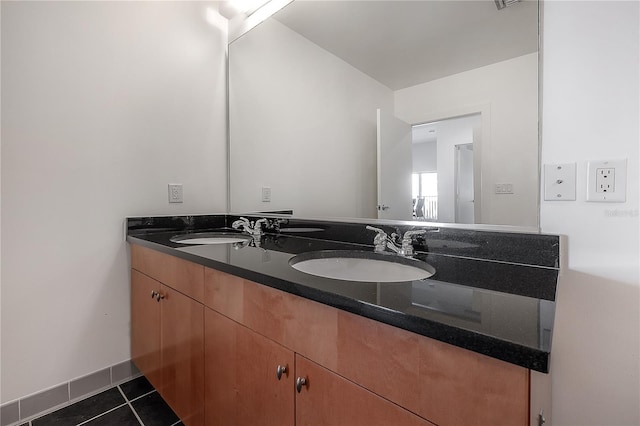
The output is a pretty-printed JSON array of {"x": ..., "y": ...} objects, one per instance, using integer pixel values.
[
  {"x": 175, "y": 193},
  {"x": 607, "y": 181}
]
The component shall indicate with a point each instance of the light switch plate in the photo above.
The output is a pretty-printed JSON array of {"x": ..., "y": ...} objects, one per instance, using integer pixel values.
[
  {"x": 266, "y": 194},
  {"x": 560, "y": 182},
  {"x": 503, "y": 188},
  {"x": 175, "y": 192},
  {"x": 607, "y": 181}
]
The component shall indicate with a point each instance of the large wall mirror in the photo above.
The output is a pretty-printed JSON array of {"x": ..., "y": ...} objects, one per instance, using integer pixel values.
[{"x": 407, "y": 110}]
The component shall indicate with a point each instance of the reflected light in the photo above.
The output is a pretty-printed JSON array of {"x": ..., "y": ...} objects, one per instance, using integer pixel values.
[
  {"x": 265, "y": 11},
  {"x": 214, "y": 18},
  {"x": 247, "y": 6}
]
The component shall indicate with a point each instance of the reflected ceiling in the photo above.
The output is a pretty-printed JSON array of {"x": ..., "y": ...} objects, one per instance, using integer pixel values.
[{"x": 415, "y": 41}]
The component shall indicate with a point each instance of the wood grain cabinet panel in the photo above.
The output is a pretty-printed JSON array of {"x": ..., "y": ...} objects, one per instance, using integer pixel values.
[
  {"x": 242, "y": 387},
  {"x": 331, "y": 400},
  {"x": 182, "y": 329},
  {"x": 224, "y": 293},
  {"x": 182, "y": 275},
  {"x": 461, "y": 387},
  {"x": 145, "y": 327},
  {"x": 446, "y": 384},
  {"x": 304, "y": 326},
  {"x": 167, "y": 330}
]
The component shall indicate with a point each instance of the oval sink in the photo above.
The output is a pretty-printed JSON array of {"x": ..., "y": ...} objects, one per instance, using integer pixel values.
[
  {"x": 211, "y": 238},
  {"x": 363, "y": 266}
]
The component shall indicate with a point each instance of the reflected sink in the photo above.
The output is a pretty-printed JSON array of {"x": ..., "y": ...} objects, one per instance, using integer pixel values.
[
  {"x": 211, "y": 238},
  {"x": 351, "y": 265}
]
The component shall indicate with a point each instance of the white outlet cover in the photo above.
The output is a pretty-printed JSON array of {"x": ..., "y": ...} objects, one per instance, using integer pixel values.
[
  {"x": 619, "y": 195},
  {"x": 560, "y": 182}
]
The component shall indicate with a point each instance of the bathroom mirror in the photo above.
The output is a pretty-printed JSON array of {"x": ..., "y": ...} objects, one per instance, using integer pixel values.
[{"x": 408, "y": 110}]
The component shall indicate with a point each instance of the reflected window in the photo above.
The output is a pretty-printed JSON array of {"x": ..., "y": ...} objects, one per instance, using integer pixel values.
[{"x": 424, "y": 188}]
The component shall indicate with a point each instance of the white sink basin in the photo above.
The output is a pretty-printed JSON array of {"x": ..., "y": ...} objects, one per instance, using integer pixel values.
[
  {"x": 363, "y": 266},
  {"x": 211, "y": 238}
]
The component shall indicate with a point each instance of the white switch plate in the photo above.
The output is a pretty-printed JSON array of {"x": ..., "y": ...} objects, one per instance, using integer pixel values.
[
  {"x": 266, "y": 194},
  {"x": 560, "y": 182},
  {"x": 607, "y": 181},
  {"x": 175, "y": 192}
]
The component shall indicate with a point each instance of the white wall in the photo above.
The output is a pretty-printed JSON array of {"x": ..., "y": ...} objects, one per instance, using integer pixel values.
[
  {"x": 289, "y": 122},
  {"x": 591, "y": 111},
  {"x": 103, "y": 104},
  {"x": 424, "y": 157},
  {"x": 508, "y": 92}
]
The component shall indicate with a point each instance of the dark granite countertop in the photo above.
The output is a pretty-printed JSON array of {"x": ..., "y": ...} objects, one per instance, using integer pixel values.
[{"x": 484, "y": 305}]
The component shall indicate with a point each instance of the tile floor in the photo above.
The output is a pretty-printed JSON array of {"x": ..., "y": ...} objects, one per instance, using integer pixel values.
[{"x": 133, "y": 403}]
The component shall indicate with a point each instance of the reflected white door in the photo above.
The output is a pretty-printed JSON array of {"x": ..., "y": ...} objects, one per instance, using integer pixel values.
[
  {"x": 394, "y": 168},
  {"x": 464, "y": 183}
]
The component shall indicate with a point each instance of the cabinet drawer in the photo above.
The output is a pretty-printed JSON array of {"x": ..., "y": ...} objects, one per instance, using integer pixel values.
[{"x": 182, "y": 275}]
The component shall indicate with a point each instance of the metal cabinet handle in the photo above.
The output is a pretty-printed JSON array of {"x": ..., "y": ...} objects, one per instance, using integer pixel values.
[
  {"x": 280, "y": 370},
  {"x": 159, "y": 297},
  {"x": 153, "y": 294},
  {"x": 300, "y": 382}
]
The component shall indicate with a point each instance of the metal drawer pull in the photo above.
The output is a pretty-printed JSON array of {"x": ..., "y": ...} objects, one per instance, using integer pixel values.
[
  {"x": 280, "y": 370},
  {"x": 300, "y": 382}
]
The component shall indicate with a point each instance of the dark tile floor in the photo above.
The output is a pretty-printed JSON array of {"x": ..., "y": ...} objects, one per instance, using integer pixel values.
[{"x": 133, "y": 403}]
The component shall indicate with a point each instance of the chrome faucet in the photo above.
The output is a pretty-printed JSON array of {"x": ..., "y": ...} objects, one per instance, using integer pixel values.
[
  {"x": 382, "y": 241},
  {"x": 407, "y": 241},
  {"x": 253, "y": 228}
]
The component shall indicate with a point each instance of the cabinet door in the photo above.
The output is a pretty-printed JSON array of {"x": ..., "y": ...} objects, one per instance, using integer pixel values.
[
  {"x": 182, "y": 329},
  {"x": 241, "y": 384},
  {"x": 145, "y": 327},
  {"x": 329, "y": 399}
]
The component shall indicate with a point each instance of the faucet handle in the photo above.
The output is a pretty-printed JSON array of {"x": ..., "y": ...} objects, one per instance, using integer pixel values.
[
  {"x": 411, "y": 233},
  {"x": 378, "y": 230},
  {"x": 380, "y": 240}
]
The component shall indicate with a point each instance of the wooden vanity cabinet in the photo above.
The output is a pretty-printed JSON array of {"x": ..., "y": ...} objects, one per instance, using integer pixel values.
[
  {"x": 438, "y": 382},
  {"x": 241, "y": 384},
  {"x": 167, "y": 331},
  {"x": 213, "y": 344}
]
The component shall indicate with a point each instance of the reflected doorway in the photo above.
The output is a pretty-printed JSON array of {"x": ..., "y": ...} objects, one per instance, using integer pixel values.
[
  {"x": 464, "y": 183},
  {"x": 443, "y": 152}
]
